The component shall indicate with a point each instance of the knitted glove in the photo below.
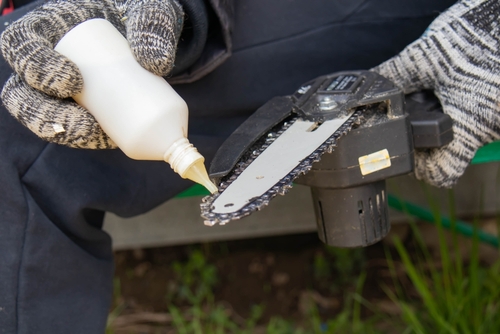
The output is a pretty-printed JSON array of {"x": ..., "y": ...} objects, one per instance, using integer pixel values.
[
  {"x": 459, "y": 58},
  {"x": 37, "y": 95}
]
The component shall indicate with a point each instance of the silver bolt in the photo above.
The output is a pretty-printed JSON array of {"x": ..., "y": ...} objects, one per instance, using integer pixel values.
[{"x": 327, "y": 103}]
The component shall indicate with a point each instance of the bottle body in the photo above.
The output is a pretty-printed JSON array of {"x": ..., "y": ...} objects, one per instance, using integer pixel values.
[{"x": 138, "y": 110}]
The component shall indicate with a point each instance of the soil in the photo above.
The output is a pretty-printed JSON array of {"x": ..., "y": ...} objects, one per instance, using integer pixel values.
[
  {"x": 275, "y": 272},
  {"x": 280, "y": 273}
]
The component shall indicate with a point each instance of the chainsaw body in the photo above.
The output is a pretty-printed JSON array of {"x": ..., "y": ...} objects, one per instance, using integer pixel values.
[{"x": 347, "y": 183}]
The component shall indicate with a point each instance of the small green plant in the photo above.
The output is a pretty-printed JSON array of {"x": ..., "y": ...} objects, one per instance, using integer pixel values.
[
  {"x": 347, "y": 262},
  {"x": 196, "y": 280},
  {"x": 118, "y": 305},
  {"x": 349, "y": 320},
  {"x": 277, "y": 325},
  {"x": 335, "y": 267},
  {"x": 322, "y": 268}
]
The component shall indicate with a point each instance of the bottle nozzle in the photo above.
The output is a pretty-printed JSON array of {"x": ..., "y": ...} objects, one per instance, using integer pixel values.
[
  {"x": 198, "y": 173},
  {"x": 186, "y": 161}
]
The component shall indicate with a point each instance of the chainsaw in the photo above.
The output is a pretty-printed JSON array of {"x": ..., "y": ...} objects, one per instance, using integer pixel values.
[{"x": 342, "y": 134}]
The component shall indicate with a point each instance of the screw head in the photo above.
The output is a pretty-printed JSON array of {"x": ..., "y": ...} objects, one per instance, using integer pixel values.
[{"x": 327, "y": 103}]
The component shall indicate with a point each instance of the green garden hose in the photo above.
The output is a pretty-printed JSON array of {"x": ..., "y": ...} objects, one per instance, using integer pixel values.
[{"x": 461, "y": 227}]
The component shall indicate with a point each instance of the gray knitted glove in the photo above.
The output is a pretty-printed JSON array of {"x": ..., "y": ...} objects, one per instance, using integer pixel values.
[
  {"x": 37, "y": 95},
  {"x": 459, "y": 58}
]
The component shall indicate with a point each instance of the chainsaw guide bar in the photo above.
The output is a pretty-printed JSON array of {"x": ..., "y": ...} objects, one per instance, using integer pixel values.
[{"x": 282, "y": 186}]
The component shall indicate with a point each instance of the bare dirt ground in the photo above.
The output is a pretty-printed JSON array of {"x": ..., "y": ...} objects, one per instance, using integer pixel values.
[{"x": 282, "y": 274}]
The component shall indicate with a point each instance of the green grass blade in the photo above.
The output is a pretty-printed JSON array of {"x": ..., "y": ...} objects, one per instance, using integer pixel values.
[
  {"x": 419, "y": 281},
  {"x": 411, "y": 317},
  {"x": 356, "y": 308},
  {"x": 178, "y": 320}
]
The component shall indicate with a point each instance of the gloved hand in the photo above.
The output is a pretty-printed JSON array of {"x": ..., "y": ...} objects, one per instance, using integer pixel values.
[
  {"x": 459, "y": 58},
  {"x": 37, "y": 94}
]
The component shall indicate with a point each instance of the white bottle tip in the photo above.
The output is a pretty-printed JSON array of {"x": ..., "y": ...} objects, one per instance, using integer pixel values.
[
  {"x": 198, "y": 173},
  {"x": 186, "y": 161}
]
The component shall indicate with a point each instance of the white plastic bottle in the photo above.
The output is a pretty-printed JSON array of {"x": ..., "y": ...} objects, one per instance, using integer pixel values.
[{"x": 143, "y": 115}]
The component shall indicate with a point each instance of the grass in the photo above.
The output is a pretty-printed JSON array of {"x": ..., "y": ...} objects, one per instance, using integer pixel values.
[
  {"x": 450, "y": 295},
  {"x": 443, "y": 294}
]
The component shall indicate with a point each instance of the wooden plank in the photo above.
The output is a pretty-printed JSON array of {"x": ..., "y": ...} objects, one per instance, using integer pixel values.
[{"x": 178, "y": 221}]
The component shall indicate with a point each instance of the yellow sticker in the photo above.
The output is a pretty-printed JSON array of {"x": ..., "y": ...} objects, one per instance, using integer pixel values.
[{"x": 374, "y": 162}]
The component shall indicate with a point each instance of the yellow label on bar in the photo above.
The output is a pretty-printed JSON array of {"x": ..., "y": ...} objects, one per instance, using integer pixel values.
[{"x": 374, "y": 162}]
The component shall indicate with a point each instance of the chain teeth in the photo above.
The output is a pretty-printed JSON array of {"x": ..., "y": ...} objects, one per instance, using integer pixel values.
[{"x": 284, "y": 185}]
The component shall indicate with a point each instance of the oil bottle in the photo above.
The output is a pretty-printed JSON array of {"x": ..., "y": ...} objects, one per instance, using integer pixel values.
[{"x": 138, "y": 110}]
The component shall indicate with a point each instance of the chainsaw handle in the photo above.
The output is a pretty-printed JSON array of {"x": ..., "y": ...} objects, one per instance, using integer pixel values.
[{"x": 430, "y": 126}]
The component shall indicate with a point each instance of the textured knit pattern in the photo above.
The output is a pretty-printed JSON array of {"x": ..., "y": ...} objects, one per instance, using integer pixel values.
[
  {"x": 59, "y": 121},
  {"x": 459, "y": 58},
  {"x": 152, "y": 28}
]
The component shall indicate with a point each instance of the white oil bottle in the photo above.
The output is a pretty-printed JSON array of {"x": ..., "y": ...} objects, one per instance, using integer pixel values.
[{"x": 138, "y": 110}]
